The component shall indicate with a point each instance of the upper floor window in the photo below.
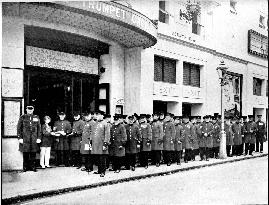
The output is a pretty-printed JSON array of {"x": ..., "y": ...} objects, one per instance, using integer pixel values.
[
  {"x": 257, "y": 86},
  {"x": 164, "y": 69},
  {"x": 261, "y": 22},
  {"x": 191, "y": 74},
  {"x": 163, "y": 14},
  {"x": 196, "y": 26},
  {"x": 233, "y": 6}
]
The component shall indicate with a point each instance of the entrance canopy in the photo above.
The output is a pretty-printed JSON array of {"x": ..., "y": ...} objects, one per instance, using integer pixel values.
[{"x": 109, "y": 19}]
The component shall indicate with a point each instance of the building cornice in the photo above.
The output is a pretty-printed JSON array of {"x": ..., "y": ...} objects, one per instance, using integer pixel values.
[{"x": 206, "y": 49}]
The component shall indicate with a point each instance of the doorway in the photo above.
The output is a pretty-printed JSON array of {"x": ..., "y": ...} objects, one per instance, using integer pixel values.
[
  {"x": 159, "y": 106},
  {"x": 52, "y": 91},
  {"x": 186, "y": 109}
]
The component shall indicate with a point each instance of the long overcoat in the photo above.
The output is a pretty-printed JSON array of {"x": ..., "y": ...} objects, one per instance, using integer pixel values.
[
  {"x": 261, "y": 131},
  {"x": 237, "y": 131},
  {"x": 250, "y": 132},
  {"x": 29, "y": 129},
  {"x": 195, "y": 141},
  {"x": 63, "y": 140},
  {"x": 228, "y": 132},
  {"x": 100, "y": 138},
  {"x": 118, "y": 140},
  {"x": 146, "y": 136},
  {"x": 216, "y": 135},
  {"x": 86, "y": 136},
  {"x": 179, "y": 137},
  {"x": 133, "y": 139},
  {"x": 188, "y": 132},
  {"x": 75, "y": 138},
  {"x": 157, "y": 136},
  {"x": 169, "y": 136},
  {"x": 207, "y": 128}
]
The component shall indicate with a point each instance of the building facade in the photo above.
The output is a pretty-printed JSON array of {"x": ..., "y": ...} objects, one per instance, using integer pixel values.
[{"x": 131, "y": 57}]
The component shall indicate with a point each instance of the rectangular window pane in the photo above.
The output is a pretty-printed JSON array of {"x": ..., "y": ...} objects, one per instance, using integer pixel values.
[
  {"x": 186, "y": 73},
  {"x": 195, "y": 76},
  {"x": 169, "y": 71},
  {"x": 158, "y": 76},
  {"x": 257, "y": 86}
]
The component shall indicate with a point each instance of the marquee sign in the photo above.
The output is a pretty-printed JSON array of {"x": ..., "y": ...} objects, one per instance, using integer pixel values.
[{"x": 257, "y": 44}]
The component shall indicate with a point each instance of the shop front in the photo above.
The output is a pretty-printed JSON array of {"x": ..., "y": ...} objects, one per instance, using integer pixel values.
[{"x": 65, "y": 56}]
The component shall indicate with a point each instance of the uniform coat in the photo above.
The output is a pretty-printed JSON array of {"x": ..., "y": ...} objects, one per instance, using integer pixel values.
[
  {"x": 229, "y": 136},
  {"x": 179, "y": 137},
  {"x": 169, "y": 136},
  {"x": 201, "y": 139},
  {"x": 207, "y": 127},
  {"x": 118, "y": 139},
  {"x": 62, "y": 125},
  {"x": 146, "y": 136},
  {"x": 237, "y": 131},
  {"x": 100, "y": 137},
  {"x": 157, "y": 136},
  {"x": 250, "y": 132},
  {"x": 188, "y": 133},
  {"x": 133, "y": 138},
  {"x": 76, "y": 135},
  {"x": 195, "y": 138},
  {"x": 261, "y": 131},
  {"x": 46, "y": 137},
  {"x": 86, "y": 136},
  {"x": 29, "y": 129},
  {"x": 216, "y": 135}
]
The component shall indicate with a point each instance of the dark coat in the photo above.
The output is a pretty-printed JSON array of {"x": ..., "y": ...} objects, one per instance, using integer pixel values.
[
  {"x": 46, "y": 137},
  {"x": 146, "y": 136},
  {"x": 169, "y": 136},
  {"x": 179, "y": 137},
  {"x": 29, "y": 129},
  {"x": 133, "y": 139},
  {"x": 250, "y": 132},
  {"x": 62, "y": 125},
  {"x": 188, "y": 132},
  {"x": 228, "y": 132},
  {"x": 261, "y": 131},
  {"x": 216, "y": 135},
  {"x": 237, "y": 131},
  {"x": 157, "y": 136},
  {"x": 100, "y": 138},
  {"x": 118, "y": 140},
  {"x": 207, "y": 128},
  {"x": 86, "y": 136},
  {"x": 195, "y": 138},
  {"x": 75, "y": 137},
  {"x": 201, "y": 139}
]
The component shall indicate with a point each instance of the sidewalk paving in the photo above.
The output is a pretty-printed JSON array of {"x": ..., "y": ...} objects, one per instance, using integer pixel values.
[{"x": 21, "y": 186}]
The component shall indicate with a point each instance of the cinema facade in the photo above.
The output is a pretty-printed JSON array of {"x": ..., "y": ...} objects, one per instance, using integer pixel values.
[{"x": 68, "y": 56}]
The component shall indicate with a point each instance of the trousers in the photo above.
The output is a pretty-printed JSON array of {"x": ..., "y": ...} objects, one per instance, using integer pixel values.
[
  {"x": 156, "y": 156},
  {"x": 29, "y": 160},
  {"x": 62, "y": 157},
  {"x": 130, "y": 160},
  {"x": 44, "y": 156}
]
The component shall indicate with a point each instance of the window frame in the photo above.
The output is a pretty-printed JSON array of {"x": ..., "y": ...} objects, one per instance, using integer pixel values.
[
  {"x": 255, "y": 91},
  {"x": 192, "y": 66},
  {"x": 163, "y": 59}
]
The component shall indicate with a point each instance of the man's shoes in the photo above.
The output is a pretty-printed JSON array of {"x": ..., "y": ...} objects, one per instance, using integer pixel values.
[
  {"x": 84, "y": 169},
  {"x": 78, "y": 167},
  {"x": 168, "y": 164},
  {"x": 157, "y": 164},
  {"x": 34, "y": 170},
  {"x": 96, "y": 172},
  {"x": 102, "y": 175},
  {"x": 111, "y": 170},
  {"x": 178, "y": 163},
  {"x": 117, "y": 171},
  {"x": 207, "y": 160},
  {"x": 133, "y": 168},
  {"x": 186, "y": 161},
  {"x": 48, "y": 166}
]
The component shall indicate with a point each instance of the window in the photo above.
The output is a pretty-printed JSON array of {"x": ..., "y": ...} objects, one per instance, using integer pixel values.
[
  {"x": 257, "y": 86},
  {"x": 196, "y": 26},
  {"x": 257, "y": 44},
  {"x": 191, "y": 74},
  {"x": 233, "y": 6},
  {"x": 261, "y": 22},
  {"x": 164, "y": 69},
  {"x": 163, "y": 14}
]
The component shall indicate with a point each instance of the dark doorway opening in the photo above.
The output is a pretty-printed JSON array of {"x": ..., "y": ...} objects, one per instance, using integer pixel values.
[
  {"x": 52, "y": 91},
  {"x": 186, "y": 109},
  {"x": 159, "y": 106}
]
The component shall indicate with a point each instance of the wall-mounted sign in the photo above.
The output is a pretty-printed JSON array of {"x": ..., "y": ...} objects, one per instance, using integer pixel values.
[
  {"x": 59, "y": 60},
  {"x": 165, "y": 89},
  {"x": 12, "y": 112},
  {"x": 12, "y": 82},
  {"x": 257, "y": 44},
  {"x": 192, "y": 92}
]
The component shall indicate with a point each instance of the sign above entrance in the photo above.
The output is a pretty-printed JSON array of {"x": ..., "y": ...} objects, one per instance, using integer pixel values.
[
  {"x": 59, "y": 60},
  {"x": 165, "y": 89},
  {"x": 192, "y": 92}
]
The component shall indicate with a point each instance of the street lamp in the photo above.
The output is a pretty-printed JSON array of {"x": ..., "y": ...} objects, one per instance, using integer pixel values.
[{"x": 222, "y": 71}]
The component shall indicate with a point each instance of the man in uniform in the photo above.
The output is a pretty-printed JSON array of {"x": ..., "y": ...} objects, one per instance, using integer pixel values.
[
  {"x": 75, "y": 139},
  {"x": 229, "y": 136},
  {"x": 157, "y": 140},
  {"x": 195, "y": 150},
  {"x": 118, "y": 140},
  {"x": 207, "y": 130},
  {"x": 29, "y": 135},
  {"x": 100, "y": 141},
  {"x": 237, "y": 132},
  {"x": 146, "y": 137},
  {"x": 178, "y": 139},
  {"x": 168, "y": 139},
  {"x": 260, "y": 134},
  {"x": 188, "y": 133},
  {"x": 132, "y": 144},
  {"x": 216, "y": 137},
  {"x": 250, "y": 135},
  {"x": 62, "y": 128}
]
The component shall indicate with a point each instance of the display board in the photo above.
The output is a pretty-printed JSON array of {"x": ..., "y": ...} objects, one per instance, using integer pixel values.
[{"x": 12, "y": 112}]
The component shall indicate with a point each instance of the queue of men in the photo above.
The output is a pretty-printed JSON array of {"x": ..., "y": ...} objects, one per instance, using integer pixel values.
[{"x": 130, "y": 141}]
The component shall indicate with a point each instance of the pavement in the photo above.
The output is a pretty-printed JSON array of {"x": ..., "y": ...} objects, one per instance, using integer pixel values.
[{"x": 23, "y": 186}]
